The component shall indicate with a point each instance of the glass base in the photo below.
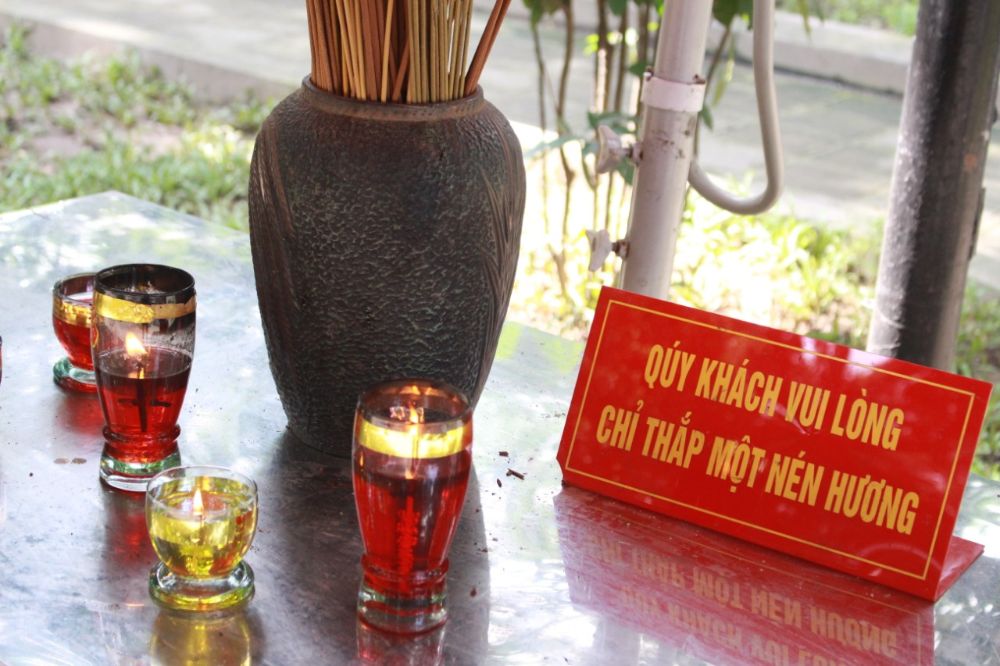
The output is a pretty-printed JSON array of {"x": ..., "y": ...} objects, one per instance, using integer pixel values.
[
  {"x": 133, "y": 476},
  {"x": 409, "y": 614},
  {"x": 72, "y": 378},
  {"x": 383, "y": 647},
  {"x": 201, "y": 594}
]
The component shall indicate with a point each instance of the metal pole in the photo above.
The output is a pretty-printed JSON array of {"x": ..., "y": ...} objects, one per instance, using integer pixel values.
[
  {"x": 936, "y": 195},
  {"x": 667, "y": 146}
]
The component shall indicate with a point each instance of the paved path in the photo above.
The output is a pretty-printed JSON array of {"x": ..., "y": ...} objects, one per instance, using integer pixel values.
[{"x": 839, "y": 140}]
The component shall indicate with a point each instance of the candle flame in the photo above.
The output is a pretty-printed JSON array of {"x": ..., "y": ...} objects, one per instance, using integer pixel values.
[
  {"x": 407, "y": 413},
  {"x": 414, "y": 417},
  {"x": 197, "y": 505},
  {"x": 133, "y": 346}
]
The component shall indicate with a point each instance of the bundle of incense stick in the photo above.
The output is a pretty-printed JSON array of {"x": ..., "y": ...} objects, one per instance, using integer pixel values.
[{"x": 403, "y": 51}]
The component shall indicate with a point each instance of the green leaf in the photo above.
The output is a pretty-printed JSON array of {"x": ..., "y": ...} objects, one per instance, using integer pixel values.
[
  {"x": 727, "y": 74},
  {"x": 617, "y": 7},
  {"x": 623, "y": 123},
  {"x": 746, "y": 11},
  {"x": 803, "y": 8},
  {"x": 706, "y": 116},
  {"x": 638, "y": 67},
  {"x": 540, "y": 8},
  {"x": 545, "y": 146},
  {"x": 725, "y": 11},
  {"x": 627, "y": 170}
]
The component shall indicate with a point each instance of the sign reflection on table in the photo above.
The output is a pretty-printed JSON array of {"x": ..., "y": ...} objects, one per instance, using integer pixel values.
[{"x": 724, "y": 600}]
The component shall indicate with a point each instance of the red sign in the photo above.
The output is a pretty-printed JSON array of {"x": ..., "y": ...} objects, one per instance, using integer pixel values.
[{"x": 835, "y": 455}]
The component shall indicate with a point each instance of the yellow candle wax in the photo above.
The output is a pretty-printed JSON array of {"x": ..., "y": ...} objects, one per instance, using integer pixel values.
[{"x": 202, "y": 527}]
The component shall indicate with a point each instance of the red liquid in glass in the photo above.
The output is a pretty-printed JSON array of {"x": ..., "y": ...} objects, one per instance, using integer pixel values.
[
  {"x": 75, "y": 339},
  {"x": 141, "y": 399},
  {"x": 408, "y": 510}
]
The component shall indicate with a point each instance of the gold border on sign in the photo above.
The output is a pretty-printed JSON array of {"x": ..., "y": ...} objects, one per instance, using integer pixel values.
[{"x": 954, "y": 454}]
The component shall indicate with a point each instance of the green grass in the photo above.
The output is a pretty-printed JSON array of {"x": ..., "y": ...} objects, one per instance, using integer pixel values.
[
  {"x": 978, "y": 355},
  {"x": 776, "y": 269},
  {"x": 897, "y": 15},
  {"x": 95, "y": 125}
]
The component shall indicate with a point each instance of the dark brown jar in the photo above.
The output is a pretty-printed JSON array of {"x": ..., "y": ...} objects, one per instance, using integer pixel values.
[{"x": 385, "y": 240}]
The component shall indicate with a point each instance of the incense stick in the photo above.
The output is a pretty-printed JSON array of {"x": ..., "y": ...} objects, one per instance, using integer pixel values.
[
  {"x": 485, "y": 45},
  {"x": 384, "y": 92},
  {"x": 410, "y": 51}
]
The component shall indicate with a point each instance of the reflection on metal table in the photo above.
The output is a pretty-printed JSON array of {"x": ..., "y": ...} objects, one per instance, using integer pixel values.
[{"x": 539, "y": 573}]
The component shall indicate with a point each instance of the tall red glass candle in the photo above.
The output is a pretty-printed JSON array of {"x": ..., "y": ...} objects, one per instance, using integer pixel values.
[
  {"x": 142, "y": 344},
  {"x": 72, "y": 299},
  {"x": 412, "y": 456}
]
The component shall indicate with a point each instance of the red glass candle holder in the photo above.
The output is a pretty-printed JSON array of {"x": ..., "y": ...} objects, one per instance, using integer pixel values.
[
  {"x": 72, "y": 299},
  {"x": 142, "y": 344},
  {"x": 412, "y": 454}
]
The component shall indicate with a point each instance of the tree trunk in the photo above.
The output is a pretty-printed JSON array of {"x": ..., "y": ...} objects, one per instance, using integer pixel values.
[{"x": 936, "y": 195}]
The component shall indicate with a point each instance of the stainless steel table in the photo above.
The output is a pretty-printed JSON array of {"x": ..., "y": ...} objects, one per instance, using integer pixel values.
[{"x": 540, "y": 574}]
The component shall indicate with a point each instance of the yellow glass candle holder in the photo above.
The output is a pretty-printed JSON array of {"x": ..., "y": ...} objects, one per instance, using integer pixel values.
[{"x": 201, "y": 521}]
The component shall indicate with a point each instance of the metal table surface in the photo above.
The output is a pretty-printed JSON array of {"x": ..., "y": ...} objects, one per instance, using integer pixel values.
[{"x": 539, "y": 573}]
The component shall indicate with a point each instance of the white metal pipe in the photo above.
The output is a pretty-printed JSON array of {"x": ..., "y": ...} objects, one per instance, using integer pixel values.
[
  {"x": 667, "y": 140},
  {"x": 767, "y": 112}
]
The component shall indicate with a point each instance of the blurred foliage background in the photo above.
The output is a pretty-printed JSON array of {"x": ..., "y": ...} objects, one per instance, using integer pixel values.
[{"x": 90, "y": 125}]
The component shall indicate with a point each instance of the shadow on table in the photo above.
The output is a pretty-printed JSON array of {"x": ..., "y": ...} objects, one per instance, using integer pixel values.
[
  {"x": 81, "y": 413},
  {"x": 701, "y": 594},
  {"x": 127, "y": 548}
]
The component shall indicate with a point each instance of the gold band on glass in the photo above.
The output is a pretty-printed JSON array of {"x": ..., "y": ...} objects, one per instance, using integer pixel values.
[
  {"x": 75, "y": 314},
  {"x": 139, "y": 313},
  {"x": 412, "y": 442}
]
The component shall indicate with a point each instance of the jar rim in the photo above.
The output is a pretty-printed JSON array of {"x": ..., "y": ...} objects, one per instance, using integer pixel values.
[{"x": 392, "y": 111}]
